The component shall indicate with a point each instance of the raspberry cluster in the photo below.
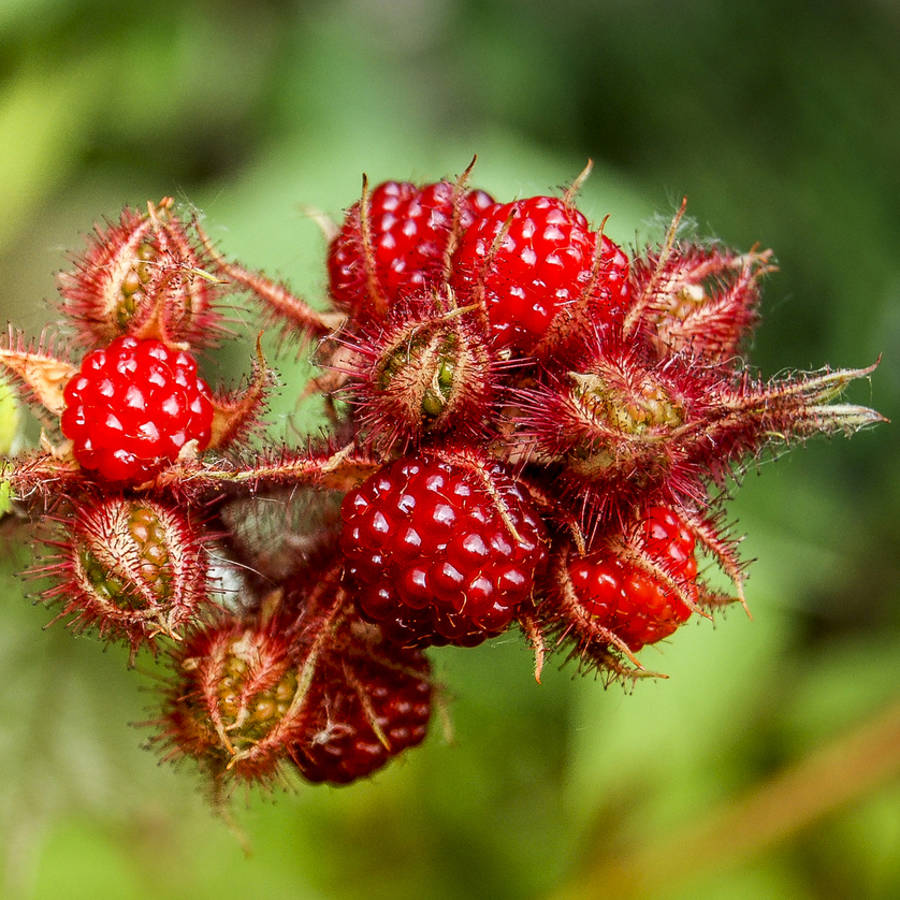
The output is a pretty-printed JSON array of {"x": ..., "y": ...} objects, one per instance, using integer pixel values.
[{"x": 531, "y": 428}]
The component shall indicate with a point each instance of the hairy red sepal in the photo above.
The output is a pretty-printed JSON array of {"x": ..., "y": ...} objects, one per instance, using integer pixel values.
[
  {"x": 133, "y": 569},
  {"x": 145, "y": 276}
]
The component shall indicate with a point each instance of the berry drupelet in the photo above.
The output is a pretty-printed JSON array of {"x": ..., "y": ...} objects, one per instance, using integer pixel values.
[
  {"x": 633, "y": 602},
  {"x": 133, "y": 406},
  {"x": 530, "y": 260},
  {"x": 440, "y": 551},
  {"x": 393, "y": 242}
]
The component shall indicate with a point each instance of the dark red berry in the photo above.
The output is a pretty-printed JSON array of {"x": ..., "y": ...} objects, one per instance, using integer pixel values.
[
  {"x": 437, "y": 555},
  {"x": 365, "y": 712},
  {"x": 529, "y": 259},
  {"x": 132, "y": 406},
  {"x": 630, "y": 601},
  {"x": 408, "y": 231}
]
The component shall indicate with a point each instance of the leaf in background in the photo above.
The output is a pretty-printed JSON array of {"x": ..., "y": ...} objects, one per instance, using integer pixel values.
[{"x": 44, "y": 117}]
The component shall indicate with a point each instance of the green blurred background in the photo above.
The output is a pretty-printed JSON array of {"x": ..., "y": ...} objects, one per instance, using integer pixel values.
[{"x": 767, "y": 765}]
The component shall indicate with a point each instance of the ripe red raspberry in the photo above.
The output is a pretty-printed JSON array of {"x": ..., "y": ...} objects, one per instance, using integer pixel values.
[
  {"x": 629, "y": 601},
  {"x": 366, "y": 713},
  {"x": 544, "y": 262},
  {"x": 435, "y": 555},
  {"x": 132, "y": 406},
  {"x": 409, "y": 228}
]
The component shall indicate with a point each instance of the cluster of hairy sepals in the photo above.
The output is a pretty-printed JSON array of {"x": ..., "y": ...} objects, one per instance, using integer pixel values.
[
  {"x": 299, "y": 685},
  {"x": 530, "y": 427}
]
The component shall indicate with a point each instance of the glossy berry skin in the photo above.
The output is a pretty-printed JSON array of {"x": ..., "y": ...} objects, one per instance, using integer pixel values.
[
  {"x": 132, "y": 406},
  {"x": 340, "y": 742},
  {"x": 636, "y": 606},
  {"x": 409, "y": 229},
  {"x": 543, "y": 263},
  {"x": 430, "y": 557}
]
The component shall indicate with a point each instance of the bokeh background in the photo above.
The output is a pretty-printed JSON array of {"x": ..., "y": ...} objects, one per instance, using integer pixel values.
[{"x": 767, "y": 765}]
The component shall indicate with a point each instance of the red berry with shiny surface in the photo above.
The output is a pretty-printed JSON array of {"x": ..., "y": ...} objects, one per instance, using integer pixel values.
[
  {"x": 629, "y": 600},
  {"x": 529, "y": 259},
  {"x": 441, "y": 552},
  {"x": 367, "y": 713},
  {"x": 409, "y": 228},
  {"x": 132, "y": 406}
]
